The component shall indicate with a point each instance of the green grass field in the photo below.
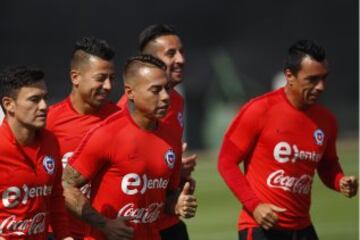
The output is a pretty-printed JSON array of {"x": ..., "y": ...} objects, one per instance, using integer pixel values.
[{"x": 334, "y": 216}]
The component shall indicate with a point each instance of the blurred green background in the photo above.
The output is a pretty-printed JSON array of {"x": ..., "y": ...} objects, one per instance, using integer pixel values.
[{"x": 334, "y": 216}]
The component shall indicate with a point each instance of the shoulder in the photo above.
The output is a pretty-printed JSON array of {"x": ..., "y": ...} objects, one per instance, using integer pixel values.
[
  {"x": 325, "y": 116},
  {"x": 176, "y": 99},
  {"x": 57, "y": 107},
  {"x": 110, "y": 108},
  {"x": 113, "y": 123},
  {"x": 324, "y": 111},
  {"x": 55, "y": 112},
  {"x": 260, "y": 105}
]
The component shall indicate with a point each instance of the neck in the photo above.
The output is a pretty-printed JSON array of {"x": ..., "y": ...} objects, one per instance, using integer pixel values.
[
  {"x": 23, "y": 135},
  {"x": 80, "y": 105},
  {"x": 294, "y": 99},
  {"x": 173, "y": 84},
  {"x": 141, "y": 121}
]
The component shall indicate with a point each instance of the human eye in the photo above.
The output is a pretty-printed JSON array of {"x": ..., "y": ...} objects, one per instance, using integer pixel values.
[
  {"x": 171, "y": 53},
  {"x": 155, "y": 90},
  {"x": 100, "y": 77},
  {"x": 34, "y": 99}
]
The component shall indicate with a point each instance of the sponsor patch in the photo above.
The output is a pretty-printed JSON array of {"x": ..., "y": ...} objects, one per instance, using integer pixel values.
[
  {"x": 170, "y": 158},
  {"x": 319, "y": 137},
  {"x": 49, "y": 165}
]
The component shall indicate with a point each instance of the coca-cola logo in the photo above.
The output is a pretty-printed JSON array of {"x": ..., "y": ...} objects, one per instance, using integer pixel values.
[
  {"x": 23, "y": 227},
  {"x": 300, "y": 185},
  {"x": 147, "y": 214}
]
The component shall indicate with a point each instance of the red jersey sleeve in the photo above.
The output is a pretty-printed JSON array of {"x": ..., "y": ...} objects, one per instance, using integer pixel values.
[
  {"x": 329, "y": 169},
  {"x": 91, "y": 153},
  {"x": 58, "y": 215},
  {"x": 238, "y": 143}
]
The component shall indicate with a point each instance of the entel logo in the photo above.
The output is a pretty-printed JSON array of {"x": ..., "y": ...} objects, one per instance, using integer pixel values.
[
  {"x": 13, "y": 196},
  {"x": 131, "y": 183},
  {"x": 284, "y": 152}
]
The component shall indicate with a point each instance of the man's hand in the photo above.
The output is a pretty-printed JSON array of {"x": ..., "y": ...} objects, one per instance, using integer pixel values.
[
  {"x": 118, "y": 229},
  {"x": 265, "y": 215},
  {"x": 187, "y": 163},
  {"x": 349, "y": 186},
  {"x": 186, "y": 204}
]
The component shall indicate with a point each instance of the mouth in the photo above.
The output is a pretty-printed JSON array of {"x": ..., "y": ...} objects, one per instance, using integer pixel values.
[
  {"x": 314, "y": 96},
  {"x": 178, "y": 69},
  {"x": 102, "y": 95},
  {"x": 41, "y": 116},
  {"x": 163, "y": 108}
]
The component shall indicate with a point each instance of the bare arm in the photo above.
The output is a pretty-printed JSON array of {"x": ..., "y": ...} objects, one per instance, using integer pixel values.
[{"x": 77, "y": 203}]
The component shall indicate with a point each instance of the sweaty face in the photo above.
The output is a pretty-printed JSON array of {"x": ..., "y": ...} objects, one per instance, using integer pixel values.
[
  {"x": 29, "y": 108},
  {"x": 150, "y": 93},
  {"x": 309, "y": 82},
  {"x": 94, "y": 80},
  {"x": 169, "y": 49}
]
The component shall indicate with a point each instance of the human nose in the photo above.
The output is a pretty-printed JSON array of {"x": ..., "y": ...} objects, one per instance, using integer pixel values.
[
  {"x": 320, "y": 86},
  {"x": 107, "y": 85},
  {"x": 164, "y": 95},
  {"x": 180, "y": 58},
  {"x": 43, "y": 105}
]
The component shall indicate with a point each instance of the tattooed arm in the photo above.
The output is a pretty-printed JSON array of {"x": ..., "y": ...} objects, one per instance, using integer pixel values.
[{"x": 77, "y": 203}]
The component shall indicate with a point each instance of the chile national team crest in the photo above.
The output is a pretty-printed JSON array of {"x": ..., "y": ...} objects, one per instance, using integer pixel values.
[
  {"x": 319, "y": 136},
  {"x": 170, "y": 158},
  {"x": 49, "y": 165}
]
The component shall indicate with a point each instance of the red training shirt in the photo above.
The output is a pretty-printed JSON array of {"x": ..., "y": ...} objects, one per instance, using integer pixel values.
[
  {"x": 130, "y": 170},
  {"x": 30, "y": 187},
  {"x": 174, "y": 117},
  {"x": 70, "y": 127},
  {"x": 281, "y": 147}
]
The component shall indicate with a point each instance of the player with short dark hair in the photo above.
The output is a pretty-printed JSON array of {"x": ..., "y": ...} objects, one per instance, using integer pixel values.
[
  {"x": 92, "y": 73},
  {"x": 30, "y": 167},
  {"x": 132, "y": 161},
  {"x": 163, "y": 42},
  {"x": 282, "y": 138}
]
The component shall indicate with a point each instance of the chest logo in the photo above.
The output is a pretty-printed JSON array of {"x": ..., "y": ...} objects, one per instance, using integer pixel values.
[
  {"x": 170, "y": 158},
  {"x": 49, "y": 165},
  {"x": 319, "y": 137}
]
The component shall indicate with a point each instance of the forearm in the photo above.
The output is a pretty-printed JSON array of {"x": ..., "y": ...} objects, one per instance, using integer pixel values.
[
  {"x": 330, "y": 173},
  {"x": 234, "y": 178},
  {"x": 76, "y": 201}
]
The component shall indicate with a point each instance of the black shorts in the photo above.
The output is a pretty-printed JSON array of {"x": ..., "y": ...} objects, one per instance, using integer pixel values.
[
  {"x": 259, "y": 233},
  {"x": 175, "y": 232}
]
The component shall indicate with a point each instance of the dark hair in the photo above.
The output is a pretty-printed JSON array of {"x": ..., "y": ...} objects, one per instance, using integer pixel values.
[
  {"x": 301, "y": 49},
  {"x": 154, "y": 31},
  {"x": 91, "y": 46},
  {"x": 145, "y": 59},
  {"x": 13, "y": 78}
]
